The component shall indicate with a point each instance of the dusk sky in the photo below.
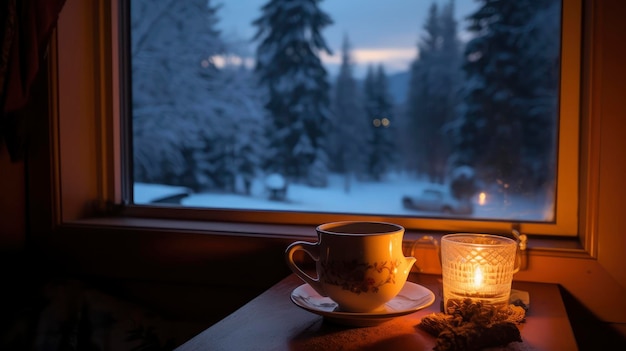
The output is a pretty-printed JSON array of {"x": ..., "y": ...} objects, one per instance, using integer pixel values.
[{"x": 380, "y": 31}]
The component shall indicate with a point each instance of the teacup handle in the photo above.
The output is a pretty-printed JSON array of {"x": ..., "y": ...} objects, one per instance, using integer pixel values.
[{"x": 313, "y": 250}]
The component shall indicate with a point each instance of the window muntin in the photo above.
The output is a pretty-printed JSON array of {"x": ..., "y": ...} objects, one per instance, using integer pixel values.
[{"x": 561, "y": 221}]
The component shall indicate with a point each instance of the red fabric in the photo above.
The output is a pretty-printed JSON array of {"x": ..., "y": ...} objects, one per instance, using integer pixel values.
[
  {"x": 32, "y": 28},
  {"x": 25, "y": 29}
]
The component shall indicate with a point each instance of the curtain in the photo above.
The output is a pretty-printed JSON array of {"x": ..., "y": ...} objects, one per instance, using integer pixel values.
[{"x": 25, "y": 28}]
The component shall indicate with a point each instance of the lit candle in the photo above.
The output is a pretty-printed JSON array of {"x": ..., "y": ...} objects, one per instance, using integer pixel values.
[
  {"x": 477, "y": 266},
  {"x": 478, "y": 278}
]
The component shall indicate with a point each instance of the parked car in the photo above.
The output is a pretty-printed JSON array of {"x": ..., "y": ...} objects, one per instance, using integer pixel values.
[{"x": 437, "y": 200}]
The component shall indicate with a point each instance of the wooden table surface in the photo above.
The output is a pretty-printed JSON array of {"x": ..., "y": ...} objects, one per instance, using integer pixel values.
[{"x": 272, "y": 321}]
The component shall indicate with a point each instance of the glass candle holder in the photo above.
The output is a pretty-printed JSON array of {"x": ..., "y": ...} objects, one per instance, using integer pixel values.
[{"x": 477, "y": 266}]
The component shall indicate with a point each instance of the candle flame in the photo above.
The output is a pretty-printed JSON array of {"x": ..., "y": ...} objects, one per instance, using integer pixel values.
[{"x": 478, "y": 277}]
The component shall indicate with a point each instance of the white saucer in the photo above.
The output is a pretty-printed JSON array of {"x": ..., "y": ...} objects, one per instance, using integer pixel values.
[{"x": 412, "y": 298}]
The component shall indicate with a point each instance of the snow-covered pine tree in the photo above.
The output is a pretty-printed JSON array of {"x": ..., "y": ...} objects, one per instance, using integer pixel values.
[
  {"x": 289, "y": 67},
  {"x": 195, "y": 123},
  {"x": 507, "y": 129},
  {"x": 234, "y": 141},
  {"x": 379, "y": 108},
  {"x": 541, "y": 65},
  {"x": 171, "y": 46},
  {"x": 433, "y": 93},
  {"x": 348, "y": 126}
]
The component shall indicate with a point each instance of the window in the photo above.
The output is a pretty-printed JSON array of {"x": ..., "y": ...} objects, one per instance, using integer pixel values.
[
  {"x": 202, "y": 106},
  {"x": 80, "y": 165}
]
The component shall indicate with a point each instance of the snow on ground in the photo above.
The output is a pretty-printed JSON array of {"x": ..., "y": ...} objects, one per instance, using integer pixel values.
[{"x": 370, "y": 198}]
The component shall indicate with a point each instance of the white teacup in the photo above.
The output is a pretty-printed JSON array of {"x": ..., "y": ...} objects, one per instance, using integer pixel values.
[{"x": 359, "y": 265}]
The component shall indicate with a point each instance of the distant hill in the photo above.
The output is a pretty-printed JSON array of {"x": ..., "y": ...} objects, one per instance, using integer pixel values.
[{"x": 398, "y": 86}]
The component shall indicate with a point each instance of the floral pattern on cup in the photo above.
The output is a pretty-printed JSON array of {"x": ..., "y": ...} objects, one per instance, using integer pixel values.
[{"x": 360, "y": 277}]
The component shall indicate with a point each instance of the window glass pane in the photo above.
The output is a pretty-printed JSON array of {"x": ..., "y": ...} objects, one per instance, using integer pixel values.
[{"x": 445, "y": 108}]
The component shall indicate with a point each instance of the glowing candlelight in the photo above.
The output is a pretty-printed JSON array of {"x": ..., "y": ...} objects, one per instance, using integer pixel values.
[
  {"x": 478, "y": 267},
  {"x": 478, "y": 278},
  {"x": 482, "y": 198}
]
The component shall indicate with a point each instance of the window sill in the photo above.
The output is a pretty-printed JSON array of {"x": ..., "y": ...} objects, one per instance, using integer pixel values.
[{"x": 544, "y": 246}]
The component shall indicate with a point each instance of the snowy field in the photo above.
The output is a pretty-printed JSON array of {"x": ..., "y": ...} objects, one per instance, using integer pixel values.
[{"x": 369, "y": 198}]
